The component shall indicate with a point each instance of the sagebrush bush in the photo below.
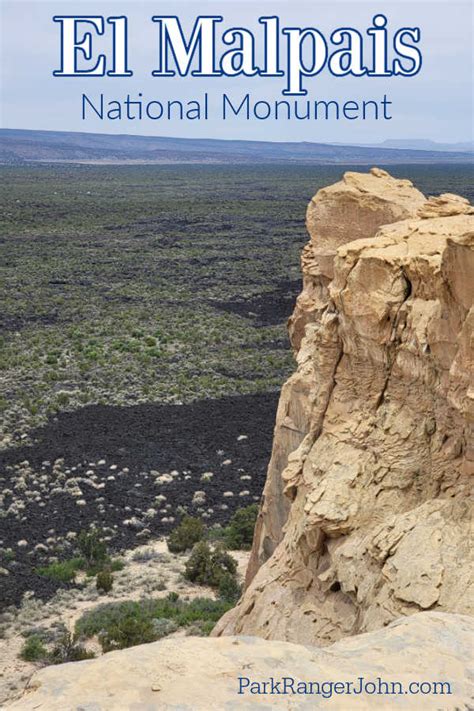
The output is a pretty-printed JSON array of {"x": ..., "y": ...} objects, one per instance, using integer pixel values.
[
  {"x": 207, "y": 567},
  {"x": 68, "y": 649},
  {"x": 189, "y": 532},
  {"x": 163, "y": 627}
]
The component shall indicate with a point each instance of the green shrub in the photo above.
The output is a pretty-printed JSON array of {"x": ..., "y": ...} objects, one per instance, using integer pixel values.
[
  {"x": 33, "y": 650},
  {"x": 62, "y": 571},
  {"x": 105, "y": 581},
  {"x": 92, "y": 547},
  {"x": 94, "y": 560},
  {"x": 207, "y": 567},
  {"x": 127, "y": 632},
  {"x": 198, "y": 566},
  {"x": 190, "y": 531},
  {"x": 238, "y": 535},
  {"x": 125, "y": 624},
  {"x": 201, "y": 609},
  {"x": 66, "y": 647},
  {"x": 229, "y": 588},
  {"x": 222, "y": 564}
]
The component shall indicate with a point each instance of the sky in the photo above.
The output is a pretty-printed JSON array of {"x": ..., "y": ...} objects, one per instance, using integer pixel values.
[{"x": 436, "y": 104}]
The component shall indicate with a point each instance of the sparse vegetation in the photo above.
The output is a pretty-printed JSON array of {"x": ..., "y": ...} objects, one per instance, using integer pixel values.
[
  {"x": 98, "y": 309},
  {"x": 63, "y": 647},
  {"x": 237, "y": 535},
  {"x": 146, "y": 332},
  {"x": 69, "y": 231},
  {"x": 95, "y": 560},
  {"x": 125, "y": 624},
  {"x": 68, "y": 649}
]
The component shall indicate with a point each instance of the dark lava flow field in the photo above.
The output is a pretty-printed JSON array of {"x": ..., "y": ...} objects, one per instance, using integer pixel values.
[{"x": 107, "y": 466}]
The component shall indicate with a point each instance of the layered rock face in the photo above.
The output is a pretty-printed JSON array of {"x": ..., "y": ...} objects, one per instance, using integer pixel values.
[
  {"x": 365, "y": 516},
  {"x": 203, "y": 674}
]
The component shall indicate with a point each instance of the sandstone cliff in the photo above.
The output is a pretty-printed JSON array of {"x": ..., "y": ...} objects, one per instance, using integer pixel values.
[
  {"x": 203, "y": 674},
  {"x": 365, "y": 516}
]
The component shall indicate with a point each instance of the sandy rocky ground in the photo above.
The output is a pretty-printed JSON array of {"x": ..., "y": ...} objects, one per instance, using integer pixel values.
[{"x": 150, "y": 570}]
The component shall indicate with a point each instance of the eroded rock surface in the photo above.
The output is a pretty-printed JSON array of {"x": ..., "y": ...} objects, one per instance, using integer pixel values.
[
  {"x": 198, "y": 673},
  {"x": 366, "y": 513}
]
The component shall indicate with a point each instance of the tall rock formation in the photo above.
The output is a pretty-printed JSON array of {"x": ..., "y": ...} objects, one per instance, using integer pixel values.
[{"x": 365, "y": 515}]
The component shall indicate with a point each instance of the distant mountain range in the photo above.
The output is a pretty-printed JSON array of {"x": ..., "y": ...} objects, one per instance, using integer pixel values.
[
  {"x": 421, "y": 144},
  {"x": 22, "y": 146}
]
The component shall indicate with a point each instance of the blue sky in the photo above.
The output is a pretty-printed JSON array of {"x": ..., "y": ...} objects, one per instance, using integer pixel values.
[{"x": 436, "y": 104}]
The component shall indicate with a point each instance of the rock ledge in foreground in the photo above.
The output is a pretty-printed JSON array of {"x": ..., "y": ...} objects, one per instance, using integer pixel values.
[{"x": 196, "y": 673}]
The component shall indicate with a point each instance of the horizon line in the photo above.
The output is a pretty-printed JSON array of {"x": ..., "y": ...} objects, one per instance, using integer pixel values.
[{"x": 260, "y": 141}]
